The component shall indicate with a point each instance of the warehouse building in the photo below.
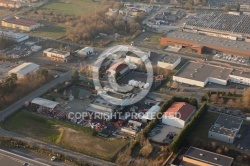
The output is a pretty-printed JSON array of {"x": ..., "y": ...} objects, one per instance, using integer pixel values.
[
  {"x": 17, "y": 37},
  {"x": 150, "y": 114},
  {"x": 220, "y": 23},
  {"x": 120, "y": 68},
  {"x": 85, "y": 51},
  {"x": 102, "y": 109},
  {"x": 196, "y": 156},
  {"x": 57, "y": 55},
  {"x": 20, "y": 24},
  {"x": 24, "y": 69},
  {"x": 169, "y": 62},
  {"x": 199, "y": 74},
  {"x": 201, "y": 43},
  {"x": 240, "y": 77},
  {"x": 178, "y": 114},
  {"x": 225, "y": 128}
]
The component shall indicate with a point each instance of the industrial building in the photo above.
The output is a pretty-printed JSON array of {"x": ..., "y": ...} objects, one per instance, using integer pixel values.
[
  {"x": 240, "y": 77},
  {"x": 149, "y": 115},
  {"x": 17, "y": 37},
  {"x": 57, "y": 55},
  {"x": 178, "y": 114},
  {"x": 201, "y": 43},
  {"x": 220, "y": 23},
  {"x": 44, "y": 103},
  {"x": 118, "y": 68},
  {"x": 196, "y": 156},
  {"x": 20, "y": 24},
  {"x": 24, "y": 69},
  {"x": 102, "y": 109},
  {"x": 10, "y": 4},
  {"x": 169, "y": 62},
  {"x": 85, "y": 51},
  {"x": 225, "y": 128},
  {"x": 199, "y": 74}
]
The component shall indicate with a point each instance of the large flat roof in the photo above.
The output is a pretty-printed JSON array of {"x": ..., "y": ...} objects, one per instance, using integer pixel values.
[
  {"x": 240, "y": 73},
  {"x": 208, "y": 157},
  {"x": 223, "y": 131},
  {"x": 171, "y": 59},
  {"x": 55, "y": 51},
  {"x": 228, "y": 122},
  {"x": 209, "y": 40},
  {"x": 24, "y": 68},
  {"x": 201, "y": 71}
]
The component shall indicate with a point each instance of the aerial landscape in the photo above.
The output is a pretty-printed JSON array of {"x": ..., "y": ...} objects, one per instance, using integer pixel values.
[{"x": 126, "y": 83}]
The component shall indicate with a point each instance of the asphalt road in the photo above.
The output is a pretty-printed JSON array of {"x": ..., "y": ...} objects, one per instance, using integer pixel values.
[
  {"x": 14, "y": 107},
  {"x": 12, "y": 159}
]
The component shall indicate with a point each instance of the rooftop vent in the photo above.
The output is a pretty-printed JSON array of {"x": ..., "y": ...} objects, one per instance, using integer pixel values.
[
  {"x": 216, "y": 158},
  {"x": 201, "y": 154}
]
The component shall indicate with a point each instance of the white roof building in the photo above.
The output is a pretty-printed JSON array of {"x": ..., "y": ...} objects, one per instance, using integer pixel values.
[
  {"x": 149, "y": 115},
  {"x": 24, "y": 69},
  {"x": 44, "y": 102},
  {"x": 85, "y": 51}
]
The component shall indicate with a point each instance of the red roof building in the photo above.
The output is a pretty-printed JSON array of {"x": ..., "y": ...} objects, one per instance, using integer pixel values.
[{"x": 178, "y": 114}]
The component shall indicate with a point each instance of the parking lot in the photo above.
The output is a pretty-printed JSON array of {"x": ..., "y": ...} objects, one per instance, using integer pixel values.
[
  {"x": 164, "y": 131},
  {"x": 232, "y": 59},
  {"x": 243, "y": 143}
]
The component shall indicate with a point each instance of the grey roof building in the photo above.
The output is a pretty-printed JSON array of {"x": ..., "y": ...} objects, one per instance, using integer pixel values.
[
  {"x": 196, "y": 156},
  {"x": 225, "y": 128}
]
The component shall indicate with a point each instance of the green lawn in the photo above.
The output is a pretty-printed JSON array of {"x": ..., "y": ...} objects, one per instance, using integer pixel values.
[
  {"x": 65, "y": 134},
  {"x": 71, "y": 7},
  {"x": 52, "y": 31},
  {"x": 200, "y": 132}
]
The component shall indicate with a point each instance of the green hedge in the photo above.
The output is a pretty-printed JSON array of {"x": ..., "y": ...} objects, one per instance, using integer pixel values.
[{"x": 180, "y": 139}]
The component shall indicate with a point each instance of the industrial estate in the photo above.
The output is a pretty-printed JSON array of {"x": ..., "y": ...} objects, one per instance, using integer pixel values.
[{"x": 125, "y": 83}]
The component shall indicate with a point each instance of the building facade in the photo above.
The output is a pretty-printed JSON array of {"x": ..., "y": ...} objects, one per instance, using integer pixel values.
[
  {"x": 21, "y": 24},
  {"x": 57, "y": 55}
]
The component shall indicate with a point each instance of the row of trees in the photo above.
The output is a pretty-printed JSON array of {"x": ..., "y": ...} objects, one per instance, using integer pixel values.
[
  {"x": 7, "y": 86},
  {"x": 181, "y": 138},
  {"x": 4, "y": 43}
]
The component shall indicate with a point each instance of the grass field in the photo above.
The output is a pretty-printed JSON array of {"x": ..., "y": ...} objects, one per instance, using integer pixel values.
[
  {"x": 64, "y": 134},
  {"x": 71, "y": 7},
  {"x": 52, "y": 31},
  {"x": 201, "y": 131}
]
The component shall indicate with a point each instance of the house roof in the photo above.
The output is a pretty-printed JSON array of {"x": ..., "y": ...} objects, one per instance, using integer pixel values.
[
  {"x": 44, "y": 102},
  {"x": 118, "y": 66},
  {"x": 20, "y": 22},
  {"x": 183, "y": 108}
]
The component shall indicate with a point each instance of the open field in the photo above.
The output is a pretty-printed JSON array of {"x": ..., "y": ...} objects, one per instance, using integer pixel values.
[
  {"x": 64, "y": 134},
  {"x": 52, "y": 31},
  {"x": 80, "y": 7}
]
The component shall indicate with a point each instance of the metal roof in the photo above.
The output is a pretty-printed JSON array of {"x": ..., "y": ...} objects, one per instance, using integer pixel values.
[
  {"x": 44, "y": 102},
  {"x": 24, "y": 68}
]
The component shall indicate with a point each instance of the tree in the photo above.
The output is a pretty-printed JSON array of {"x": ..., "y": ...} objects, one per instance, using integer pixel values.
[
  {"x": 43, "y": 73},
  {"x": 238, "y": 7},
  {"x": 75, "y": 76},
  {"x": 168, "y": 84},
  {"x": 227, "y": 8},
  {"x": 246, "y": 98},
  {"x": 231, "y": 103},
  {"x": 117, "y": 5},
  {"x": 175, "y": 85},
  {"x": 214, "y": 98},
  {"x": 147, "y": 149}
]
